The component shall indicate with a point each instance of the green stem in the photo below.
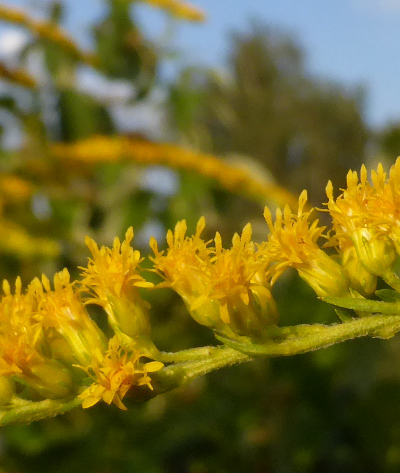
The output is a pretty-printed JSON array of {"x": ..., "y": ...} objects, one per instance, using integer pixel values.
[
  {"x": 175, "y": 375},
  {"x": 315, "y": 337},
  {"x": 190, "y": 354},
  {"x": 25, "y": 412}
]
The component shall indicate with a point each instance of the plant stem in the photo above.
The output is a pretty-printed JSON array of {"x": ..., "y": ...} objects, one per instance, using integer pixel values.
[
  {"x": 190, "y": 354},
  {"x": 314, "y": 337},
  {"x": 180, "y": 373},
  {"x": 28, "y": 411}
]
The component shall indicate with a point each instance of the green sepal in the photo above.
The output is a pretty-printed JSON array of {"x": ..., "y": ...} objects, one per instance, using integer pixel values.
[{"x": 344, "y": 315}]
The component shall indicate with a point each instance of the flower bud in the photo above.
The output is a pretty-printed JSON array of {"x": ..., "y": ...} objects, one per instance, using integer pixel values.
[
  {"x": 324, "y": 275},
  {"x": 360, "y": 279},
  {"x": 375, "y": 252},
  {"x": 51, "y": 380}
]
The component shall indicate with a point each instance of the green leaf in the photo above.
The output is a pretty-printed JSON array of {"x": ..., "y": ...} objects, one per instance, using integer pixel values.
[
  {"x": 364, "y": 305},
  {"x": 388, "y": 295}
]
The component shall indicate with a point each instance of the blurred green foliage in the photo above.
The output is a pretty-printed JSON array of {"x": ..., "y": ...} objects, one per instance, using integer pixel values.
[{"x": 333, "y": 411}]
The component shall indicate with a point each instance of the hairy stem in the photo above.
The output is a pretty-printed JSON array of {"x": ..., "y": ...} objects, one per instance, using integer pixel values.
[
  {"x": 316, "y": 336},
  {"x": 23, "y": 411},
  {"x": 180, "y": 373}
]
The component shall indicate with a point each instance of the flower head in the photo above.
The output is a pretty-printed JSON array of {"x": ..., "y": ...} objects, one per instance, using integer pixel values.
[
  {"x": 112, "y": 278},
  {"x": 20, "y": 331},
  {"x": 114, "y": 373},
  {"x": 184, "y": 264},
  {"x": 293, "y": 242},
  {"x": 23, "y": 347},
  {"x": 63, "y": 314},
  {"x": 224, "y": 289},
  {"x": 364, "y": 215}
]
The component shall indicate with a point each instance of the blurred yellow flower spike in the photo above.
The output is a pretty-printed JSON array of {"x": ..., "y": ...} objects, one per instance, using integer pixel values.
[
  {"x": 23, "y": 353},
  {"x": 63, "y": 315},
  {"x": 15, "y": 240},
  {"x": 224, "y": 289},
  {"x": 179, "y": 9},
  {"x": 229, "y": 176},
  {"x": 293, "y": 242},
  {"x": 366, "y": 214},
  {"x": 14, "y": 188},
  {"x": 114, "y": 373},
  {"x": 112, "y": 278},
  {"x": 46, "y": 30}
]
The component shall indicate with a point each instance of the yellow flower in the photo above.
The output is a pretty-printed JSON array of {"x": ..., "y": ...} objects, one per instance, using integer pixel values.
[
  {"x": 293, "y": 242},
  {"x": 20, "y": 331},
  {"x": 63, "y": 314},
  {"x": 112, "y": 277},
  {"x": 115, "y": 373},
  {"x": 23, "y": 345},
  {"x": 386, "y": 204},
  {"x": 365, "y": 215},
  {"x": 224, "y": 289},
  {"x": 184, "y": 264}
]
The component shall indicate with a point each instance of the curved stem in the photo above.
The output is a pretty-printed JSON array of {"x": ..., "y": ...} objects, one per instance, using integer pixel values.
[
  {"x": 315, "y": 337},
  {"x": 177, "y": 374}
]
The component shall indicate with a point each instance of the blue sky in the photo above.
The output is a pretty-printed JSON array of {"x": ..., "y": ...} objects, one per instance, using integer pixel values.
[{"x": 350, "y": 41}]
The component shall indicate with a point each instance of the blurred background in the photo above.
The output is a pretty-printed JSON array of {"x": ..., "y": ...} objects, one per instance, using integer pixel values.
[{"x": 109, "y": 113}]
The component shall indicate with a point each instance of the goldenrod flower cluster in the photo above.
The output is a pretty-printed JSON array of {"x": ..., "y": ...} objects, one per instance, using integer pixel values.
[
  {"x": 16, "y": 240},
  {"x": 230, "y": 177},
  {"x": 366, "y": 225},
  {"x": 230, "y": 289},
  {"x": 225, "y": 289},
  {"x": 47, "y": 30},
  {"x": 51, "y": 347}
]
